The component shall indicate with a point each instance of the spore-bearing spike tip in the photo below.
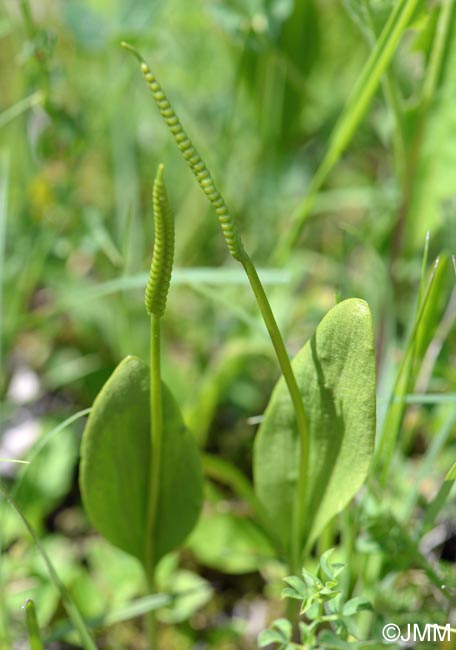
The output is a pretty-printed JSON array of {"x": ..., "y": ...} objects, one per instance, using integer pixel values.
[
  {"x": 193, "y": 159},
  {"x": 132, "y": 50},
  {"x": 162, "y": 258}
]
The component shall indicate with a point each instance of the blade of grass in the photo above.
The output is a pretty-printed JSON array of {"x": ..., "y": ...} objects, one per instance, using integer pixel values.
[
  {"x": 451, "y": 476},
  {"x": 424, "y": 267},
  {"x": 409, "y": 542},
  {"x": 44, "y": 439},
  {"x": 436, "y": 58},
  {"x": 427, "y": 398},
  {"x": 23, "y": 105},
  {"x": 14, "y": 460},
  {"x": 352, "y": 114},
  {"x": 432, "y": 353},
  {"x": 135, "y": 609},
  {"x": 421, "y": 561},
  {"x": 4, "y": 180},
  {"x": 428, "y": 462},
  {"x": 393, "y": 101},
  {"x": 193, "y": 276},
  {"x": 70, "y": 607},
  {"x": 38, "y": 446},
  {"x": 215, "y": 295},
  {"x": 396, "y": 410},
  {"x": 428, "y": 95},
  {"x": 436, "y": 505},
  {"x": 32, "y": 626}
]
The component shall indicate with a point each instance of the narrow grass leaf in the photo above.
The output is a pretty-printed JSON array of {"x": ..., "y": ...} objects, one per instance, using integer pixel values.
[
  {"x": 70, "y": 607},
  {"x": 35, "y": 642},
  {"x": 4, "y": 180},
  {"x": 135, "y": 609},
  {"x": 409, "y": 367},
  {"x": 203, "y": 276},
  {"x": 20, "y": 107},
  {"x": 354, "y": 111},
  {"x": 428, "y": 463},
  {"x": 438, "y": 502},
  {"x": 451, "y": 476}
]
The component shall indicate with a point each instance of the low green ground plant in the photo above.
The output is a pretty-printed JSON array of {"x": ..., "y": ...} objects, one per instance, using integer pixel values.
[{"x": 199, "y": 517}]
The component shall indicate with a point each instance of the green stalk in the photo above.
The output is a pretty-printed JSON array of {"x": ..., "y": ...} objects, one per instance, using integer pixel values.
[
  {"x": 155, "y": 303},
  {"x": 70, "y": 607},
  {"x": 301, "y": 418},
  {"x": 237, "y": 251},
  {"x": 156, "y": 435}
]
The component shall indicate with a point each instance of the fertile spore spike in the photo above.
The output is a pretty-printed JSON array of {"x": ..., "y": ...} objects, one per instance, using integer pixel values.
[
  {"x": 193, "y": 159},
  {"x": 163, "y": 255}
]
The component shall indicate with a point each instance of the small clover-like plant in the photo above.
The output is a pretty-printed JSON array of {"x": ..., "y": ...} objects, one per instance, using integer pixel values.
[
  {"x": 140, "y": 477},
  {"x": 328, "y": 614}
]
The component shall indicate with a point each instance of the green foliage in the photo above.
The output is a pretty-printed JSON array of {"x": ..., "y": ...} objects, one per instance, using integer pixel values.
[
  {"x": 322, "y": 602},
  {"x": 70, "y": 607},
  {"x": 230, "y": 543},
  {"x": 32, "y": 626},
  {"x": 451, "y": 476},
  {"x": 431, "y": 302},
  {"x": 354, "y": 110},
  {"x": 261, "y": 87},
  {"x": 116, "y": 462},
  {"x": 336, "y": 375}
]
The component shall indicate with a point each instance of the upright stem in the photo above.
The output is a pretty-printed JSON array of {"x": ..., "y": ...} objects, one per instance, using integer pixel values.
[
  {"x": 156, "y": 435},
  {"x": 295, "y": 394},
  {"x": 156, "y": 409},
  {"x": 236, "y": 249}
]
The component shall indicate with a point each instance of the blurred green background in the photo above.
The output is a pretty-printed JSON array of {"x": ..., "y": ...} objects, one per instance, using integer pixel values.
[{"x": 260, "y": 86}]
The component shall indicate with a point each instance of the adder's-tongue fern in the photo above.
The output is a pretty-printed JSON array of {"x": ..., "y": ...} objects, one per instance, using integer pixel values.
[
  {"x": 194, "y": 160},
  {"x": 162, "y": 259},
  {"x": 236, "y": 249}
]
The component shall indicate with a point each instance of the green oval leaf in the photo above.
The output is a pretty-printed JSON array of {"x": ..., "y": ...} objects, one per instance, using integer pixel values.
[
  {"x": 229, "y": 543},
  {"x": 116, "y": 463},
  {"x": 335, "y": 372}
]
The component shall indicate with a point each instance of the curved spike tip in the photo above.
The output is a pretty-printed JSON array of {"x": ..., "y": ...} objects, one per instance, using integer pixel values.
[
  {"x": 160, "y": 172},
  {"x": 133, "y": 50},
  {"x": 163, "y": 253}
]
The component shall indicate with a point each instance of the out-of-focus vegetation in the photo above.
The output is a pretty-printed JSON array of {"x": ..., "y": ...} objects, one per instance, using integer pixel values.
[{"x": 262, "y": 87}]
